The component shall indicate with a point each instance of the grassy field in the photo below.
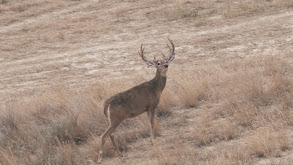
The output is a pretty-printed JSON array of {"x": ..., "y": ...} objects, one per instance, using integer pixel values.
[{"x": 228, "y": 98}]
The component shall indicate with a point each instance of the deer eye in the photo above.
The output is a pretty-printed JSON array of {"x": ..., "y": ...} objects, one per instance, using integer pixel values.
[{"x": 158, "y": 63}]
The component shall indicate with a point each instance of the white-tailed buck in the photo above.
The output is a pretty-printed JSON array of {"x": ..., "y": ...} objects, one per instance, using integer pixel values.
[{"x": 141, "y": 98}]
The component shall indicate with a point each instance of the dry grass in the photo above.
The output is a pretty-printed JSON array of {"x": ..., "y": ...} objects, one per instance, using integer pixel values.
[
  {"x": 198, "y": 10},
  {"x": 219, "y": 106},
  {"x": 232, "y": 155},
  {"x": 51, "y": 128},
  {"x": 267, "y": 142},
  {"x": 63, "y": 126}
]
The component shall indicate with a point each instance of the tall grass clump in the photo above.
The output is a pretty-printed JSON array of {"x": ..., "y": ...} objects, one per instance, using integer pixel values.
[
  {"x": 167, "y": 101},
  {"x": 260, "y": 91},
  {"x": 234, "y": 154},
  {"x": 50, "y": 127},
  {"x": 267, "y": 142},
  {"x": 192, "y": 88}
]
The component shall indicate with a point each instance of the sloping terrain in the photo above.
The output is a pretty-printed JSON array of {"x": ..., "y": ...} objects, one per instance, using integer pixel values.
[
  {"x": 234, "y": 57},
  {"x": 87, "y": 39}
]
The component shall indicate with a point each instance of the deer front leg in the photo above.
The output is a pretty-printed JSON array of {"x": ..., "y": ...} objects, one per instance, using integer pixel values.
[{"x": 151, "y": 119}]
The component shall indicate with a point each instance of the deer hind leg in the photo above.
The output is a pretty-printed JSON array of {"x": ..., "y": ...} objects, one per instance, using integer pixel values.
[
  {"x": 108, "y": 132},
  {"x": 151, "y": 118},
  {"x": 115, "y": 145}
]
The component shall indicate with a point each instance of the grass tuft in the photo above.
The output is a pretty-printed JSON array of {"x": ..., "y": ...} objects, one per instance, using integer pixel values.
[{"x": 267, "y": 142}]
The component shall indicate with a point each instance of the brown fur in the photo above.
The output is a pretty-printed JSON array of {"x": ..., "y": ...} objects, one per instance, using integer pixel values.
[
  {"x": 141, "y": 98},
  {"x": 133, "y": 100}
]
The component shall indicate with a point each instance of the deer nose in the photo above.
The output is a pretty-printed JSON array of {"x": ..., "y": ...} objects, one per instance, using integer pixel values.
[{"x": 166, "y": 65}]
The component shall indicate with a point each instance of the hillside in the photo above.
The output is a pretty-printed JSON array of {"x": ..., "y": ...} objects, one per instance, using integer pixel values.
[{"x": 229, "y": 93}]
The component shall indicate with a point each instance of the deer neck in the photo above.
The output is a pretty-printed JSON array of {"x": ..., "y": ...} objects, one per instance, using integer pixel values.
[{"x": 159, "y": 82}]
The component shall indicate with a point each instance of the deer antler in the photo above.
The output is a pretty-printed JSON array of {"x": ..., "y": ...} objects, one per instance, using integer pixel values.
[
  {"x": 172, "y": 51},
  {"x": 137, "y": 100},
  {"x": 149, "y": 63}
]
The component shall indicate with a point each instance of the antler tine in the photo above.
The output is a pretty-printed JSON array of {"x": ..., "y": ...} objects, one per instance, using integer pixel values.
[
  {"x": 173, "y": 47},
  {"x": 141, "y": 48},
  {"x": 169, "y": 48},
  {"x": 140, "y": 52},
  {"x": 172, "y": 51}
]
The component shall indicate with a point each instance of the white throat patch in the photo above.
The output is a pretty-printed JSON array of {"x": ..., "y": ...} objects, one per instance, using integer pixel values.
[{"x": 164, "y": 74}]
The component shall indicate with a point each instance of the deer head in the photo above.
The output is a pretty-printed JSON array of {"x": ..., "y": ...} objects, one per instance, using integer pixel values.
[
  {"x": 161, "y": 64},
  {"x": 144, "y": 97}
]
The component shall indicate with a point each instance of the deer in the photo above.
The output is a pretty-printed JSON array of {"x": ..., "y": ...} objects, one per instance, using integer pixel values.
[{"x": 142, "y": 98}]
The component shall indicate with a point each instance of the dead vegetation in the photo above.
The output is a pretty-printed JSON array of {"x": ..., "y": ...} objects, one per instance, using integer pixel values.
[
  {"x": 254, "y": 103},
  {"x": 228, "y": 98}
]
